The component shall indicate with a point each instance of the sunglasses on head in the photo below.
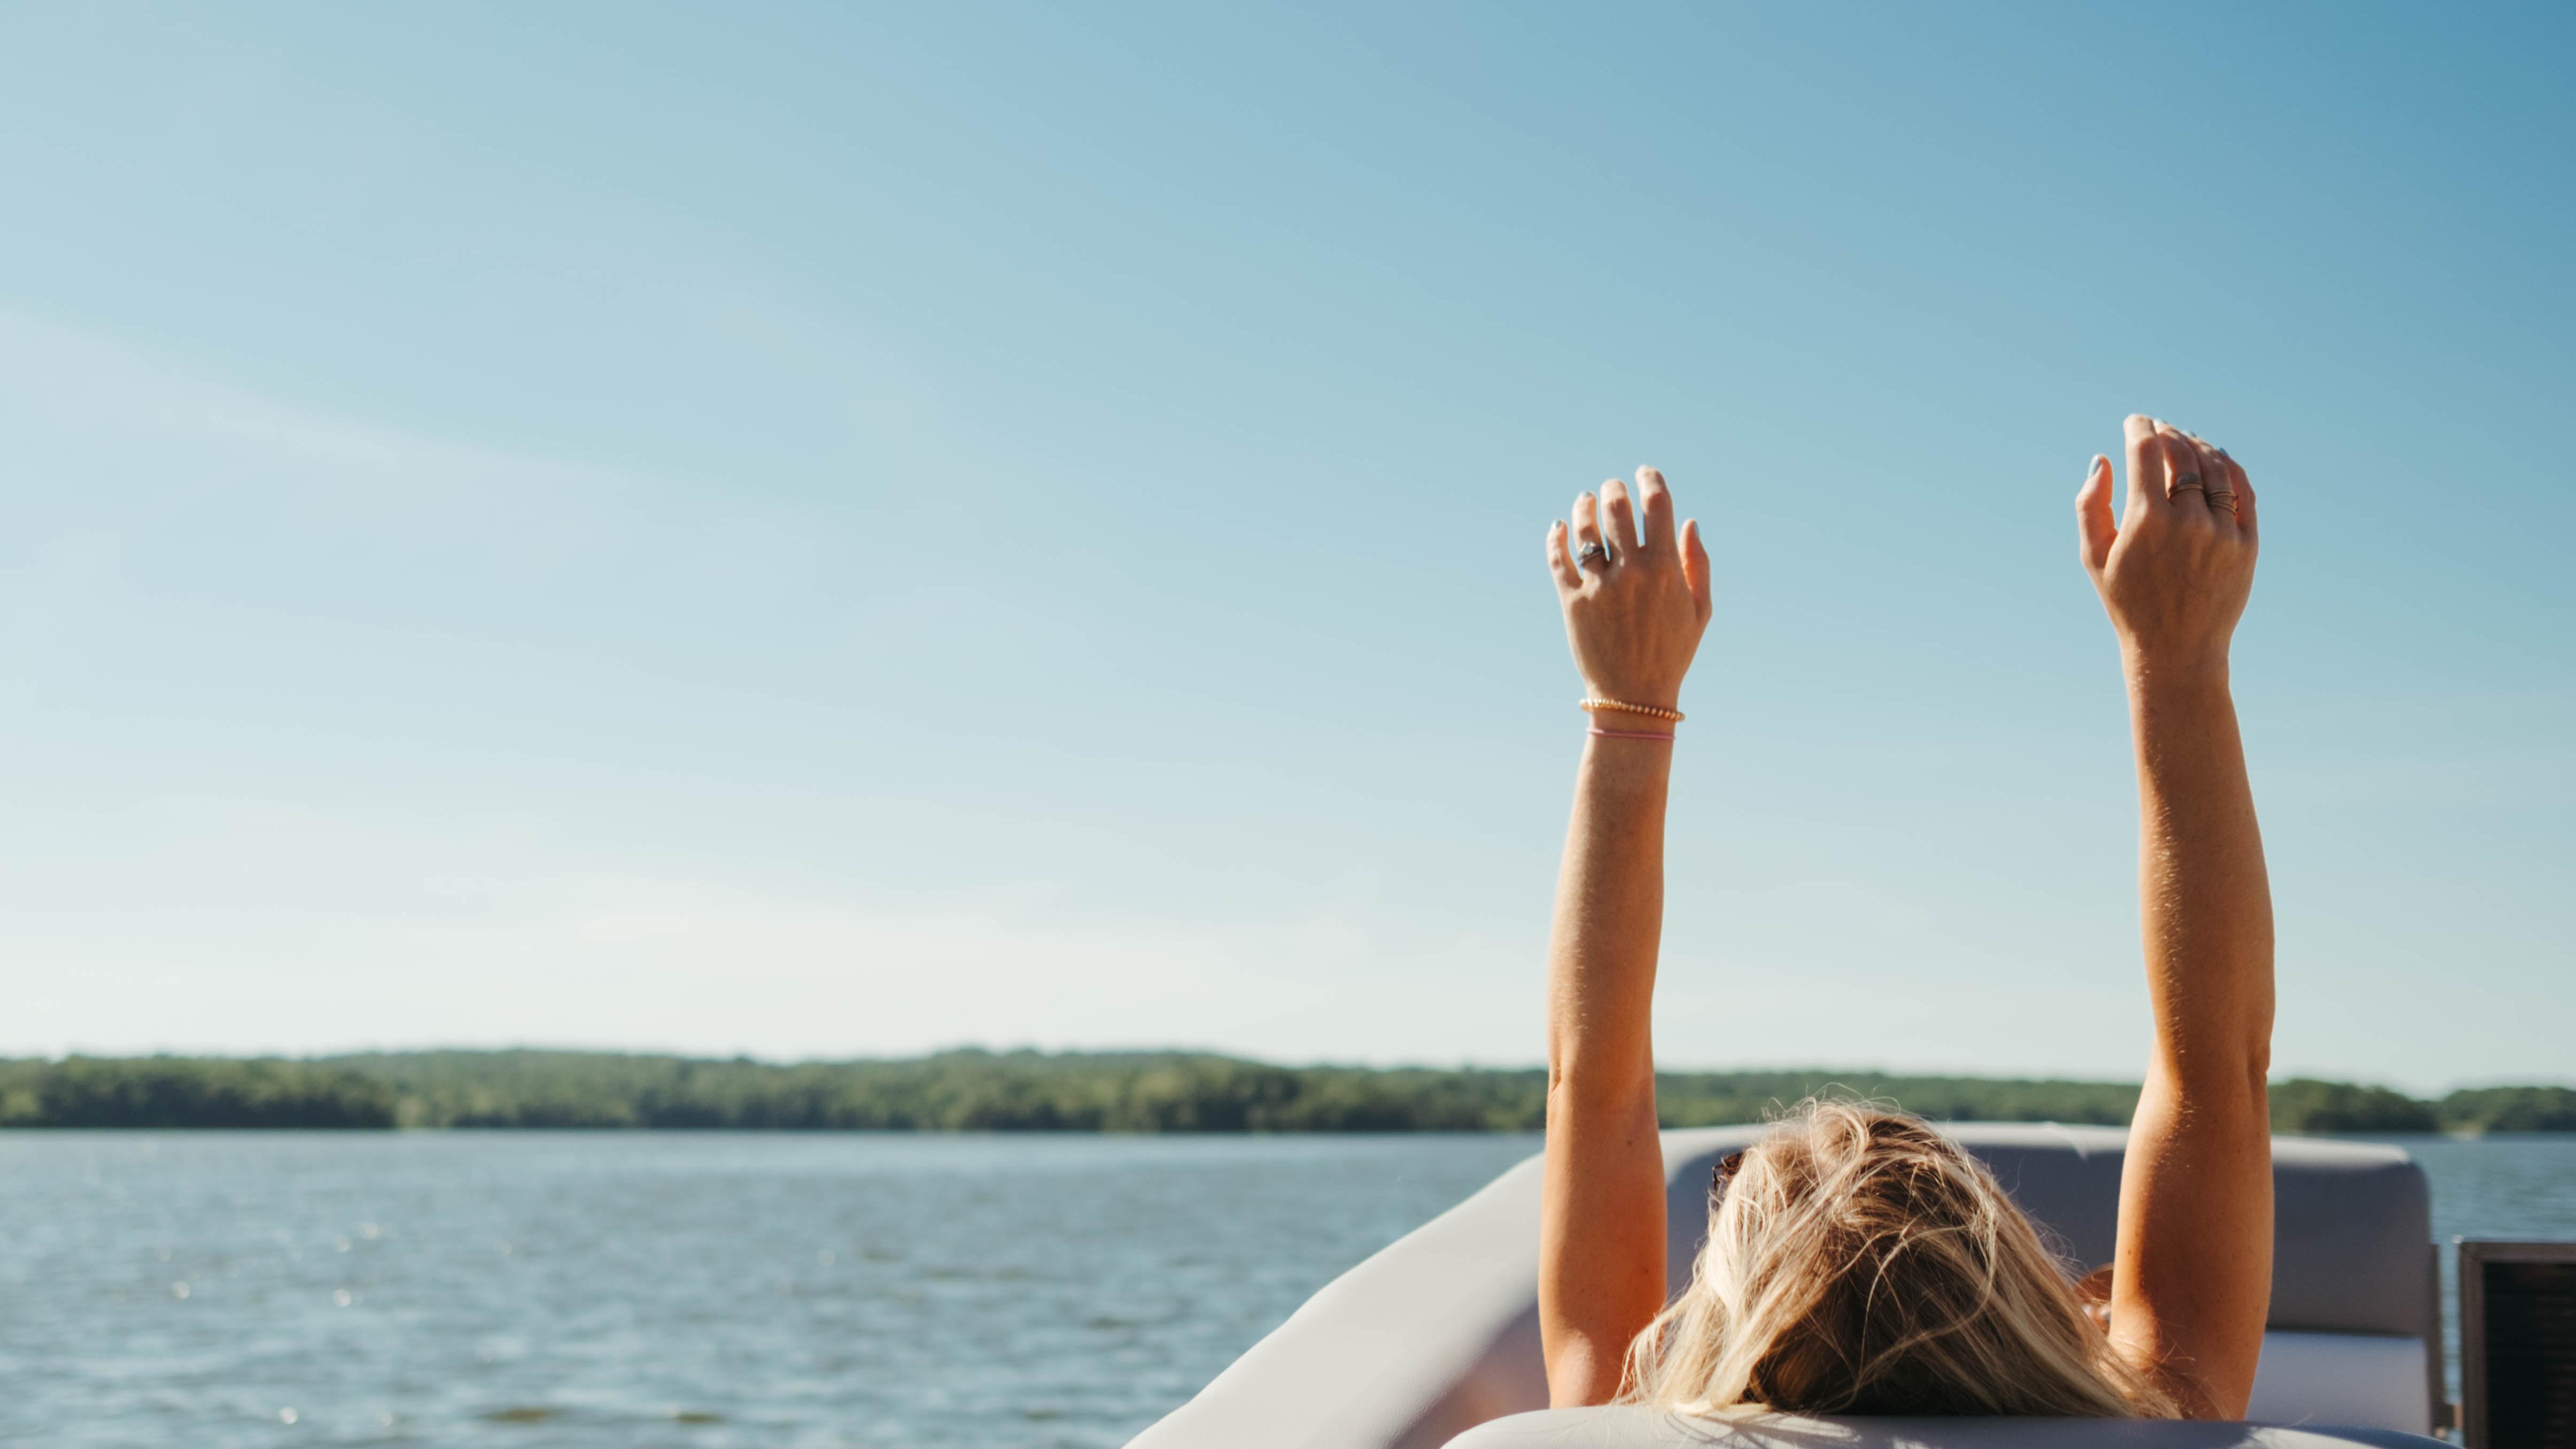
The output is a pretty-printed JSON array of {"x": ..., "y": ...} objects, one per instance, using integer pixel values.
[{"x": 1719, "y": 1175}]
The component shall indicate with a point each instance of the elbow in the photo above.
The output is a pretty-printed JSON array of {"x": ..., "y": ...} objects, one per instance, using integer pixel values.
[
  {"x": 1581, "y": 1374},
  {"x": 2252, "y": 1067},
  {"x": 2258, "y": 1085},
  {"x": 1592, "y": 1091},
  {"x": 2243, "y": 1069},
  {"x": 2222, "y": 1081}
]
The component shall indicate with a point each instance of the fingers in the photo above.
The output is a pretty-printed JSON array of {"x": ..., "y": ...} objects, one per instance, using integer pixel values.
[
  {"x": 1587, "y": 527},
  {"x": 2182, "y": 466},
  {"x": 1607, "y": 529},
  {"x": 2244, "y": 487},
  {"x": 1695, "y": 568},
  {"x": 2224, "y": 486},
  {"x": 2218, "y": 480},
  {"x": 1619, "y": 523},
  {"x": 2180, "y": 470},
  {"x": 2146, "y": 463},
  {"x": 2095, "y": 531},
  {"x": 2217, "y": 485},
  {"x": 1560, "y": 560},
  {"x": 1656, "y": 502}
]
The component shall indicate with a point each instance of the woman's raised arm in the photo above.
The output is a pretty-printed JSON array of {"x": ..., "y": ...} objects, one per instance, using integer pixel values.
[
  {"x": 2191, "y": 1278},
  {"x": 1635, "y": 590}
]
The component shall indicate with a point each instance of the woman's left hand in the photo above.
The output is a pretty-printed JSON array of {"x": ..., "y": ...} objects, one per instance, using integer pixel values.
[{"x": 1635, "y": 591}]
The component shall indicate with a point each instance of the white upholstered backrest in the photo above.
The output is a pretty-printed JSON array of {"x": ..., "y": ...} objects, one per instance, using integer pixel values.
[
  {"x": 1439, "y": 1332},
  {"x": 1651, "y": 1429}
]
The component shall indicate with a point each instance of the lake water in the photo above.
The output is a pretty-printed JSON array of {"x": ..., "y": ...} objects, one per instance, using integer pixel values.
[{"x": 535, "y": 1289}]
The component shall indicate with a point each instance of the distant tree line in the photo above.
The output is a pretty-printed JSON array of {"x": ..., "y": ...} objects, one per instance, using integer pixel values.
[
  {"x": 190, "y": 1092},
  {"x": 1072, "y": 1092}
]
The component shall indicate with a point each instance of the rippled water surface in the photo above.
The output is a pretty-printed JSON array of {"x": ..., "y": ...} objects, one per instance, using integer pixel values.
[
  {"x": 533, "y": 1289},
  {"x": 528, "y": 1289}
]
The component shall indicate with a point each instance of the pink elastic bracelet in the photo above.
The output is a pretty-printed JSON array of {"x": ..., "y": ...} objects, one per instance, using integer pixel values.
[{"x": 1599, "y": 733}]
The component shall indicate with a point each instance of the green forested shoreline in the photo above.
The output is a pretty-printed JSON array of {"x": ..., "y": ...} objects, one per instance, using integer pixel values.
[{"x": 1068, "y": 1092}]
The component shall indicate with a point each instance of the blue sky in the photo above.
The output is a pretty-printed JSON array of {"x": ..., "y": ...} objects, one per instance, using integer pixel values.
[{"x": 815, "y": 532}]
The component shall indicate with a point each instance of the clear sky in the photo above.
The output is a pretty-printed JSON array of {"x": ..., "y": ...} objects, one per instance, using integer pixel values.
[{"x": 816, "y": 533}]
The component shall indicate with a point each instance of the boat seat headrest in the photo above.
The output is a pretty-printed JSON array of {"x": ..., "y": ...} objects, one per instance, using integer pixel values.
[
  {"x": 1439, "y": 1332},
  {"x": 1642, "y": 1428}
]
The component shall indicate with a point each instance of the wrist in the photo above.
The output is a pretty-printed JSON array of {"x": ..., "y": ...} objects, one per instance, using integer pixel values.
[
  {"x": 1667, "y": 699},
  {"x": 1629, "y": 755},
  {"x": 2163, "y": 672},
  {"x": 1642, "y": 734}
]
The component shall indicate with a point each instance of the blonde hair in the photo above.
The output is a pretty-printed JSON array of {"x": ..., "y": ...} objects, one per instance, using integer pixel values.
[{"x": 1859, "y": 1262}]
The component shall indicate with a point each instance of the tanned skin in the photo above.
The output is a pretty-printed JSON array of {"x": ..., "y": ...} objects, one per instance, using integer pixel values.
[
  {"x": 2191, "y": 1278},
  {"x": 1634, "y": 626}
]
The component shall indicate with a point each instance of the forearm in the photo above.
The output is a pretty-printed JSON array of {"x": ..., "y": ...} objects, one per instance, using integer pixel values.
[
  {"x": 2192, "y": 1283},
  {"x": 1601, "y": 1227},
  {"x": 2205, "y": 902},
  {"x": 1609, "y": 920}
]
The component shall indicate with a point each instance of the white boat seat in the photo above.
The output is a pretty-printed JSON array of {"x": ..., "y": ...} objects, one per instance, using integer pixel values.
[
  {"x": 1438, "y": 1333},
  {"x": 1652, "y": 1429},
  {"x": 2362, "y": 1380}
]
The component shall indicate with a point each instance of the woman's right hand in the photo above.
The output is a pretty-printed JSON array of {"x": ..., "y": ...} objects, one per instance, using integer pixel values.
[
  {"x": 2175, "y": 571},
  {"x": 1635, "y": 591}
]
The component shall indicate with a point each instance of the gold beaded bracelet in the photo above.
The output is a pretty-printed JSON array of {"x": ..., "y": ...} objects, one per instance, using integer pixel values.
[{"x": 1595, "y": 706}]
